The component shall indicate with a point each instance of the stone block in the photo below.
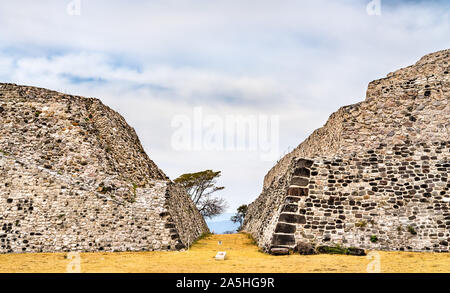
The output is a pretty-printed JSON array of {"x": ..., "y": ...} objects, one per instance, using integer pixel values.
[
  {"x": 279, "y": 251},
  {"x": 283, "y": 240},
  {"x": 304, "y": 163},
  {"x": 292, "y": 218},
  {"x": 290, "y": 208},
  {"x": 304, "y": 248},
  {"x": 297, "y": 191},
  {"x": 302, "y": 172},
  {"x": 285, "y": 228},
  {"x": 356, "y": 251},
  {"x": 299, "y": 181}
]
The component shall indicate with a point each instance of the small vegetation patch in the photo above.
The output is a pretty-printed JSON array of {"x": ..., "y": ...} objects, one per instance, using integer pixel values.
[
  {"x": 340, "y": 250},
  {"x": 361, "y": 224},
  {"x": 4, "y": 153},
  {"x": 374, "y": 239},
  {"x": 412, "y": 230}
]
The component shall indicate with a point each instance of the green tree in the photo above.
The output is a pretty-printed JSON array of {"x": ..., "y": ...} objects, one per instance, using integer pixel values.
[
  {"x": 201, "y": 186},
  {"x": 240, "y": 215}
]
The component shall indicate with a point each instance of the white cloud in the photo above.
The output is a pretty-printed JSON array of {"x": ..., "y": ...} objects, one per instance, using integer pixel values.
[{"x": 188, "y": 84}]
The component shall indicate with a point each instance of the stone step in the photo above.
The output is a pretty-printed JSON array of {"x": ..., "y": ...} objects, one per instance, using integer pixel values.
[
  {"x": 283, "y": 239},
  {"x": 292, "y": 199},
  {"x": 304, "y": 163},
  {"x": 292, "y": 218},
  {"x": 299, "y": 181},
  {"x": 279, "y": 251},
  {"x": 290, "y": 208},
  {"x": 297, "y": 191},
  {"x": 285, "y": 228},
  {"x": 302, "y": 172}
]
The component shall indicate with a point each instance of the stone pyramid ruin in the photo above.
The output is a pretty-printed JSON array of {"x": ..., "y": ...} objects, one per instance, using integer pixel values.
[
  {"x": 375, "y": 176},
  {"x": 74, "y": 177}
]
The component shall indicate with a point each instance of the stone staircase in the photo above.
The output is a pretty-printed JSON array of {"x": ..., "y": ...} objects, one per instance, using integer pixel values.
[{"x": 291, "y": 214}]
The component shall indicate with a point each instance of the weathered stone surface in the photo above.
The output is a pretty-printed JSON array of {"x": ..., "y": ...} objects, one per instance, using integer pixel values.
[
  {"x": 279, "y": 251},
  {"x": 283, "y": 240},
  {"x": 74, "y": 177},
  {"x": 285, "y": 228},
  {"x": 356, "y": 251},
  {"x": 341, "y": 250},
  {"x": 290, "y": 208},
  {"x": 304, "y": 248},
  {"x": 378, "y": 170},
  {"x": 304, "y": 163},
  {"x": 299, "y": 181},
  {"x": 297, "y": 191},
  {"x": 292, "y": 218},
  {"x": 304, "y": 172}
]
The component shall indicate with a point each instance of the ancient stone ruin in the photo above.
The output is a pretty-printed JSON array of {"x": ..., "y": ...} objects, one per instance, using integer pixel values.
[
  {"x": 375, "y": 176},
  {"x": 74, "y": 177}
]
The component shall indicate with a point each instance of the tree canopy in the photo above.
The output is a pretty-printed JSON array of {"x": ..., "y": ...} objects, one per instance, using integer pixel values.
[
  {"x": 240, "y": 215},
  {"x": 201, "y": 186}
]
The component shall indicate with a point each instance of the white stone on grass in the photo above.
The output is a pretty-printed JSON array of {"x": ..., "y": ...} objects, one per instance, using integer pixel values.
[{"x": 221, "y": 255}]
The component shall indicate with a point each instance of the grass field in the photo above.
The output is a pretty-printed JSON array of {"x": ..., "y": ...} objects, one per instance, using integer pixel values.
[{"x": 242, "y": 257}]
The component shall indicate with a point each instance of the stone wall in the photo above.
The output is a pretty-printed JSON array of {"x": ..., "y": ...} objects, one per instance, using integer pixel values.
[
  {"x": 183, "y": 214},
  {"x": 409, "y": 104},
  {"x": 74, "y": 176},
  {"x": 323, "y": 141},
  {"x": 263, "y": 214},
  {"x": 375, "y": 176}
]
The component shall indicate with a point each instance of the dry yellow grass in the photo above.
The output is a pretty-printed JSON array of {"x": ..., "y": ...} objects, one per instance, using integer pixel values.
[{"x": 242, "y": 257}]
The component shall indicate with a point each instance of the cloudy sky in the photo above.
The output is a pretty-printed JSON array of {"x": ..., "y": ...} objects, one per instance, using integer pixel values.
[{"x": 158, "y": 60}]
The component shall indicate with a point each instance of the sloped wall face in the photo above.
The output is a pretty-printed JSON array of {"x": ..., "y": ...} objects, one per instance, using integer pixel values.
[
  {"x": 263, "y": 214},
  {"x": 379, "y": 177},
  {"x": 75, "y": 136},
  {"x": 43, "y": 212},
  {"x": 410, "y": 104},
  {"x": 325, "y": 141},
  {"x": 184, "y": 219},
  {"x": 74, "y": 177},
  {"x": 273, "y": 217},
  {"x": 373, "y": 200}
]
